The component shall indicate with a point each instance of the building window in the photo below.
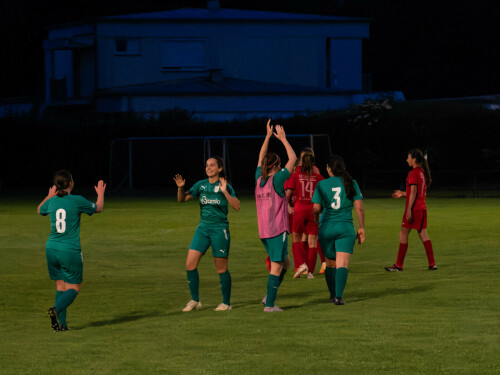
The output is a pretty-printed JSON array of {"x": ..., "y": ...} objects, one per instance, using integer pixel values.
[
  {"x": 187, "y": 55},
  {"x": 127, "y": 47}
]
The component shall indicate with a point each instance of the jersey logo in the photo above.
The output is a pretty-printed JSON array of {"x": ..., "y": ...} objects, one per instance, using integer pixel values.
[
  {"x": 204, "y": 200},
  {"x": 216, "y": 188},
  {"x": 202, "y": 187},
  {"x": 222, "y": 251}
]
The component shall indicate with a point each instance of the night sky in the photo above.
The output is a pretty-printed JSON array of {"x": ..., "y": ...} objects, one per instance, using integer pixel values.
[{"x": 427, "y": 49}]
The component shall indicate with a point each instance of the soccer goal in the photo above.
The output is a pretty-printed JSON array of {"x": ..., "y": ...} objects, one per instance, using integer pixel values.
[{"x": 151, "y": 162}]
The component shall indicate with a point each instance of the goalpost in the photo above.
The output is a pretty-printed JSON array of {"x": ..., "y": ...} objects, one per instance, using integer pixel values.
[{"x": 190, "y": 146}]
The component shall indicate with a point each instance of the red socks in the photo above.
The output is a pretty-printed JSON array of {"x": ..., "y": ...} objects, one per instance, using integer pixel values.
[
  {"x": 311, "y": 261},
  {"x": 298, "y": 254},
  {"x": 430, "y": 253},
  {"x": 403, "y": 248}
]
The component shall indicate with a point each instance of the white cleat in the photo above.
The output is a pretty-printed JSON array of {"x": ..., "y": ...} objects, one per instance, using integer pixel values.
[
  {"x": 264, "y": 299},
  {"x": 223, "y": 307},
  {"x": 302, "y": 268},
  {"x": 192, "y": 305},
  {"x": 275, "y": 308},
  {"x": 310, "y": 275}
]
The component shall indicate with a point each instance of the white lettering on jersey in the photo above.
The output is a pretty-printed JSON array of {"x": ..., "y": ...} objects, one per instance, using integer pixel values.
[{"x": 204, "y": 200}]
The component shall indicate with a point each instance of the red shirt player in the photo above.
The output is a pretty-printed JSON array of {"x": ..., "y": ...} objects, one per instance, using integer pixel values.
[
  {"x": 303, "y": 183},
  {"x": 415, "y": 216}
]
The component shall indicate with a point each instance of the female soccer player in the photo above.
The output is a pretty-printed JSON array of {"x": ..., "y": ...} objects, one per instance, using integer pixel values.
[
  {"x": 214, "y": 195},
  {"x": 63, "y": 250},
  {"x": 335, "y": 197},
  {"x": 415, "y": 216},
  {"x": 303, "y": 182},
  {"x": 272, "y": 211}
]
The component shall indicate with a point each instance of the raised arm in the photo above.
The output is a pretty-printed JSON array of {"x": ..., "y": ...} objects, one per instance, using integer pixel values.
[
  {"x": 233, "y": 201},
  {"x": 360, "y": 211},
  {"x": 52, "y": 193},
  {"x": 99, "y": 189},
  {"x": 181, "y": 195},
  {"x": 292, "y": 158},
  {"x": 265, "y": 145}
]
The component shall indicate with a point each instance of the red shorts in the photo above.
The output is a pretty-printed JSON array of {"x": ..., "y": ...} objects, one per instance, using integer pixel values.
[
  {"x": 419, "y": 220},
  {"x": 303, "y": 220}
]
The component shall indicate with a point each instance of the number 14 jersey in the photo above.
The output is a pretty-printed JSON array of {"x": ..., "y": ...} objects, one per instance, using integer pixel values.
[
  {"x": 330, "y": 194},
  {"x": 303, "y": 186}
]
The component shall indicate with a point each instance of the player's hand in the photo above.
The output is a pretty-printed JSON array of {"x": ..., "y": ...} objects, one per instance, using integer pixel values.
[
  {"x": 397, "y": 194},
  {"x": 269, "y": 129},
  {"x": 361, "y": 235},
  {"x": 52, "y": 191},
  {"x": 179, "y": 181},
  {"x": 409, "y": 217},
  {"x": 100, "y": 188},
  {"x": 280, "y": 132},
  {"x": 290, "y": 210},
  {"x": 222, "y": 184}
]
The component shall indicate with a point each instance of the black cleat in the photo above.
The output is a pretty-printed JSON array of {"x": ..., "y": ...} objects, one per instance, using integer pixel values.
[
  {"x": 63, "y": 327},
  {"x": 393, "y": 268},
  {"x": 338, "y": 301},
  {"x": 53, "y": 319},
  {"x": 331, "y": 299},
  {"x": 433, "y": 268}
]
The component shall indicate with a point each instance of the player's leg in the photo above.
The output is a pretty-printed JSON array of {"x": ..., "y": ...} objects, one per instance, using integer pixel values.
[
  {"x": 327, "y": 243},
  {"x": 221, "y": 240},
  {"x": 403, "y": 248},
  {"x": 298, "y": 252},
  {"x": 198, "y": 247},
  {"x": 277, "y": 250},
  {"x": 312, "y": 240},
  {"x": 344, "y": 246},
  {"x": 427, "y": 244}
]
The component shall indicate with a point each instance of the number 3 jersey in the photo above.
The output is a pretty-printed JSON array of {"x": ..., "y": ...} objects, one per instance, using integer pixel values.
[
  {"x": 330, "y": 194},
  {"x": 65, "y": 215}
]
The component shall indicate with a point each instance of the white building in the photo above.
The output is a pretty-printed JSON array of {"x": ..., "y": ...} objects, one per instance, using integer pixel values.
[{"x": 218, "y": 63}]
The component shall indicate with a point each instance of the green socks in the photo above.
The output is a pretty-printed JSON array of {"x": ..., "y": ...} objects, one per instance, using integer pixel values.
[
  {"x": 340, "y": 281},
  {"x": 63, "y": 301},
  {"x": 282, "y": 275},
  {"x": 273, "y": 283},
  {"x": 225, "y": 287},
  {"x": 194, "y": 284},
  {"x": 61, "y": 315},
  {"x": 330, "y": 273}
]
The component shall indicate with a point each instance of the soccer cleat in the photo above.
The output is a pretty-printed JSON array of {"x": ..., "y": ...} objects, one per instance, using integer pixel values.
[
  {"x": 310, "y": 275},
  {"x": 275, "y": 308},
  {"x": 393, "y": 268},
  {"x": 192, "y": 305},
  {"x": 223, "y": 307},
  {"x": 63, "y": 327},
  {"x": 264, "y": 299},
  {"x": 302, "y": 268},
  {"x": 322, "y": 269},
  {"x": 433, "y": 268},
  {"x": 338, "y": 301},
  {"x": 53, "y": 319}
]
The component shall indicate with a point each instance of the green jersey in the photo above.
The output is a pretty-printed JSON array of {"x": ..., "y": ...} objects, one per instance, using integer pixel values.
[
  {"x": 65, "y": 215},
  {"x": 330, "y": 194},
  {"x": 213, "y": 203},
  {"x": 278, "y": 182}
]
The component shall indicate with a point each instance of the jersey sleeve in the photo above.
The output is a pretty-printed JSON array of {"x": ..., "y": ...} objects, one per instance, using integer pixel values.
[
  {"x": 86, "y": 206},
  {"x": 44, "y": 209},
  {"x": 258, "y": 173},
  {"x": 357, "y": 195},
  {"x": 194, "y": 190},
  {"x": 279, "y": 181},
  {"x": 317, "y": 196},
  {"x": 230, "y": 190},
  {"x": 412, "y": 178},
  {"x": 291, "y": 183}
]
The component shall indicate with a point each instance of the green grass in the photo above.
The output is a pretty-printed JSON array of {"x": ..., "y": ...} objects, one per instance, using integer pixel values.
[{"x": 128, "y": 319}]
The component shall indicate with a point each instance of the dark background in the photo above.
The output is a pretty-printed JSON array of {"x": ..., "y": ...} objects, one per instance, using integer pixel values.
[{"x": 427, "y": 49}]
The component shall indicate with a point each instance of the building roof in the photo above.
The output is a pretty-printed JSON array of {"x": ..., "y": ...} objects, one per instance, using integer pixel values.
[
  {"x": 223, "y": 14},
  {"x": 224, "y": 86}
]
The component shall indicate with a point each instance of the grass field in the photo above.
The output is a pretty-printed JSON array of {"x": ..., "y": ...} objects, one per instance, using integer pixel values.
[{"x": 128, "y": 320}]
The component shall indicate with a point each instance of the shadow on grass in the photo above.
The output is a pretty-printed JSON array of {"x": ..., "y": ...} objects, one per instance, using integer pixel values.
[{"x": 123, "y": 319}]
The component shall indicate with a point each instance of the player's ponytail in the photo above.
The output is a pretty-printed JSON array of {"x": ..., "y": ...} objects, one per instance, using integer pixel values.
[
  {"x": 62, "y": 180},
  {"x": 338, "y": 167},
  {"x": 269, "y": 162},
  {"x": 307, "y": 164},
  {"x": 220, "y": 164},
  {"x": 422, "y": 161}
]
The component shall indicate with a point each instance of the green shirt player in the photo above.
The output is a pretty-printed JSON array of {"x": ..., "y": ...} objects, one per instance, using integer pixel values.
[
  {"x": 63, "y": 250},
  {"x": 334, "y": 199},
  {"x": 214, "y": 195}
]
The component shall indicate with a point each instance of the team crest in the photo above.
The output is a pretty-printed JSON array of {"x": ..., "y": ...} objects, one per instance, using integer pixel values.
[{"x": 216, "y": 188}]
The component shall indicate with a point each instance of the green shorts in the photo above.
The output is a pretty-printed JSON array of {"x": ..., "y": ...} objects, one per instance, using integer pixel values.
[
  {"x": 336, "y": 237},
  {"x": 276, "y": 247},
  {"x": 65, "y": 265},
  {"x": 218, "y": 238}
]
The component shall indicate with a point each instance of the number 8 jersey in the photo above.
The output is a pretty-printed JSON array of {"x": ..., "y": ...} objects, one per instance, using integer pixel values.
[
  {"x": 330, "y": 194},
  {"x": 65, "y": 220}
]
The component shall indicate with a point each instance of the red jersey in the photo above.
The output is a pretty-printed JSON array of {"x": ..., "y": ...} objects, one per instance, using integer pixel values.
[
  {"x": 304, "y": 185},
  {"x": 416, "y": 177}
]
